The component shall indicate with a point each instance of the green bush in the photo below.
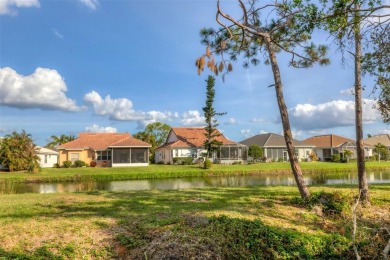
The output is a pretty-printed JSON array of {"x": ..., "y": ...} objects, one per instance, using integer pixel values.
[
  {"x": 80, "y": 163},
  {"x": 207, "y": 164},
  {"x": 183, "y": 160},
  {"x": 336, "y": 158},
  {"x": 56, "y": 165},
  {"x": 280, "y": 160},
  {"x": 67, "y": 164},
  {"x": 252, "y": 239},
  {"x": 331, "y": 203}
]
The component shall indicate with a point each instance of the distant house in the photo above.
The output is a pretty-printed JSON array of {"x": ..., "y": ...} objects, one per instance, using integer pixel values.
[
  {"x": 47, "y": 157},
  {"x": 188, "y": 142},
  {"x": 106, "y": 149},
  {"x": 382, "y": 139},
  {"x": 274, "y": 146},
  {"x": 328, "y": 145}
]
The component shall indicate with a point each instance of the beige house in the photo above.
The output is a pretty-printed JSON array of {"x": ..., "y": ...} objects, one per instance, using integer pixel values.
[
  {"x": 188, "y": 142},
  {"x": 328, "y": 145},
  {"x": 106, "y": 149}
]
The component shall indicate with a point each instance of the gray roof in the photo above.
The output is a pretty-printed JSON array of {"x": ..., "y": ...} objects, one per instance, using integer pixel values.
[
  {"x": 272, "y": 140},
  {"x": 383, "y": 139}
]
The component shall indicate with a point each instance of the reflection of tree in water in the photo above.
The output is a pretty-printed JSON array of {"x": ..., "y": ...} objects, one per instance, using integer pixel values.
[
  {"x": 319, "y": 178},
  {"x": 6, "y": 187}
]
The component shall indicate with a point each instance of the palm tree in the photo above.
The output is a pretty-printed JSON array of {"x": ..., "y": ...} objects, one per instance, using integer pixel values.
[
  {"x": 58, "y": 140},
  {"x": 347, "y": 154},
  {"x": 380, "y": 149}
]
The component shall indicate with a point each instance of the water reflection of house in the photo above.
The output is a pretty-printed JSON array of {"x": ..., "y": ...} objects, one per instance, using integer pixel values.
[
  {"x": 328, "y": 145},
  {"x": 188, "y": 142}
]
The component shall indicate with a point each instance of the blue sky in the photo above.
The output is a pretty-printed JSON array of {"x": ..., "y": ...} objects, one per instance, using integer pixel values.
[{"x": 93, "y": 65}]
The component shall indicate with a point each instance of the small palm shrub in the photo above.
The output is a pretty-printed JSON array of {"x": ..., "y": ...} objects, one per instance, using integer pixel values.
[{"x": 207, "y": 164}]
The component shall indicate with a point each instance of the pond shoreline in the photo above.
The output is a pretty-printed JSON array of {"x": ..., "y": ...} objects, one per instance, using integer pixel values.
[{"x": 113, "y": 174}]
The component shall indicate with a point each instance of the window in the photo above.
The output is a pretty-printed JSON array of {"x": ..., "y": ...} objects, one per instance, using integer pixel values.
[
  {"x": 45, "y": 158},
  {"x": 74, "y": 157},
  {"x": 104, "y": 155}
]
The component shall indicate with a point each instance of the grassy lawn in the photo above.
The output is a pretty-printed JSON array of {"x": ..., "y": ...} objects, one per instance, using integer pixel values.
[
  {"x": 218, "y": 223},
  {"x": 165, "y": 171}
]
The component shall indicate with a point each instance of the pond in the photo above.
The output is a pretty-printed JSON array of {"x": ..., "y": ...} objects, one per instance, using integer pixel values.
[{"x": 193, "y": 182}]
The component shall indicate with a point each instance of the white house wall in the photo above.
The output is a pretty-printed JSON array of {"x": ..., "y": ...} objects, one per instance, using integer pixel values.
[{"x": 51, "y": 159}]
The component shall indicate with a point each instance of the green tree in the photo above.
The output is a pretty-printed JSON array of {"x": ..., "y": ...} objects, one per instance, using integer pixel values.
[
  {"x": 347, "y": 154},
  {"x": 348, "y": 21},
  {"x": 58, "y": 140},
  {"x": 154, "y": 134},
  {"x": 211, "y": 144},
  {"x": 17, "y": 152},
  {"x": 256, "y": 34},
  {"x": 256, "y": 152},
  {"x": 381, "y": 151}
]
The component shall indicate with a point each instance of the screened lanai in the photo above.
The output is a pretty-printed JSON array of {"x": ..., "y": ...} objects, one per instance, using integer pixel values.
[{"x": 230, "y": 153}]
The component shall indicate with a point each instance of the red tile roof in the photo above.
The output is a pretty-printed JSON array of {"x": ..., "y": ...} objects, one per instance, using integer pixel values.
[
  {"x": 328, "y": 140},
  {"x": 193, "y": 137},
  {"x": 101, "y": 141}
]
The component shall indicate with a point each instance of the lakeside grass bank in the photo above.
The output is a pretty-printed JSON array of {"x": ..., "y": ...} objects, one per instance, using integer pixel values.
[
  {"x": 212, "y": 223},
  {"x": 156, "y": 171}
]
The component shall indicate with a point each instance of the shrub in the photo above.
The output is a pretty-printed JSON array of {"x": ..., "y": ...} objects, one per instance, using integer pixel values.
[
  {"x": 207, "y": 164},
  {"x": 330, "y": 202},
  {"x": 67, "y": 164},
  {"x": 93, "y": 164},
  {"x": 183, "y": 160},
  {"x": 80, "y": 163},
  {"x": 336, "y": 158},
  {"x": 56, "y": 165},
  {"x": 280, "y": 160},
  {"x": 237, "y": 162}
]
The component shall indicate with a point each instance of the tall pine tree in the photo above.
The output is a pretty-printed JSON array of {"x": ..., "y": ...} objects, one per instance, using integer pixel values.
[{"x": 211, "y": 132}]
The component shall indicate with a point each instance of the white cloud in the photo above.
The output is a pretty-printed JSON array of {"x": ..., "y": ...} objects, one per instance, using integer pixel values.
[
  {"x": 91, "y": 4},
  {"x": 231, "y": 121},
  {"x": 332, "y": 114},
  {"x": 192, "y": 118},
  {"x": 121, "y": 109},
  {"x": 57, "y": 34},
  {"x": 348, "y": 92},
  {"x": 7, "y": 7},
  {"x": 246, "y": 133},
  {"x": 100, "y": 129},
  {"x": 258, "y": 120},
  {"x": 44, "y": 89}
]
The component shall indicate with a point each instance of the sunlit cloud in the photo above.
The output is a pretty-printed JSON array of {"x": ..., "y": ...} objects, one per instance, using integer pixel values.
[{"x": 44, "y": 89}]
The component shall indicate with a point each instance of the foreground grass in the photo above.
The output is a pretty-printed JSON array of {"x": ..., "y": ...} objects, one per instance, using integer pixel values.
[
  {"x": 218, "y": 223},
  {"x": 173, "y": 171}
]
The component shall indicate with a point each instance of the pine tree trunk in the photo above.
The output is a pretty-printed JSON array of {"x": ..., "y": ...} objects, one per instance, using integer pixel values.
[
  {"x": 363, "y": 184},
  {"x": 295, "y": 167}
]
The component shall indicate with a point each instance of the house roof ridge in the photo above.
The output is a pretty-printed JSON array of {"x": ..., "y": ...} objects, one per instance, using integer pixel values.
[{"x": 269, "y": 136}]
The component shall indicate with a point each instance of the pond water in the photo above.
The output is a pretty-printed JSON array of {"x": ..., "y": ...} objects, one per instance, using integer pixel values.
[{"x": 193, "y": 182}]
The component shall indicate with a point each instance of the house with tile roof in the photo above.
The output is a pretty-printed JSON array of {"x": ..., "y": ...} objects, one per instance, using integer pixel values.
[
  {"x": 47, "y": 157},
  {"x": 379, "y": 139},
  {"x": 328, "y": 145},
  {"x": 106, "y": 149},
  {"x": 382, "y": 139},
  {"x": 188, "y": 142},
  {"x": 274, "y": 146}
]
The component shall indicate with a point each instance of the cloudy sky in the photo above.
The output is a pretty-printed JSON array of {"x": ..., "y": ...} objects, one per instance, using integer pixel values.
[{"x": 115, "y": 66}]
